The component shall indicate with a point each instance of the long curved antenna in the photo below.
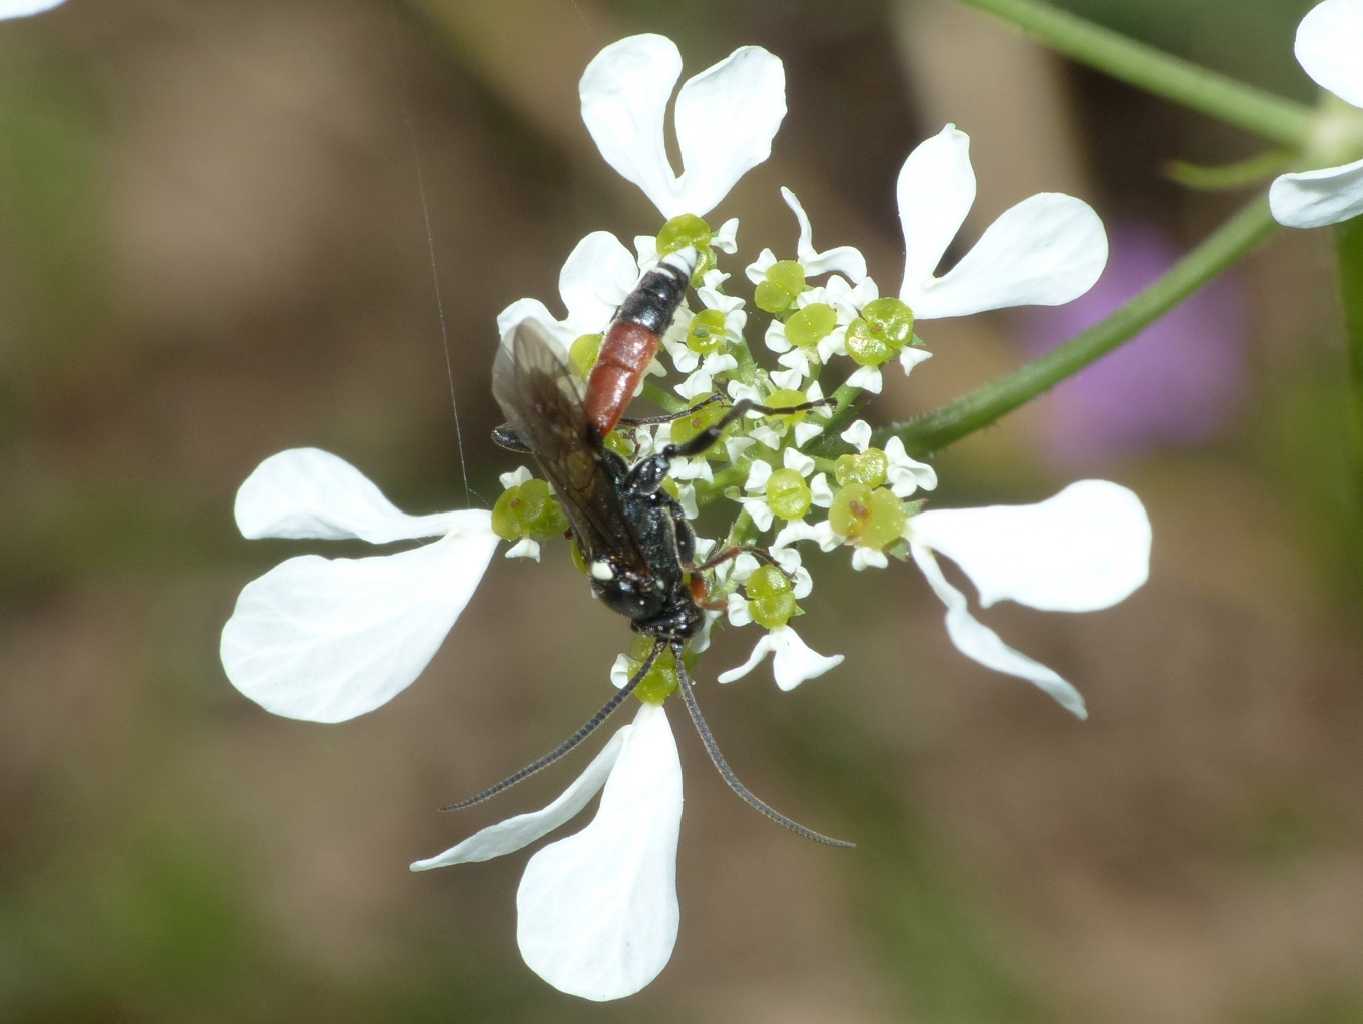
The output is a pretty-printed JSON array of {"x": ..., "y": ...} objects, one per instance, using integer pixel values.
[
  {"x": 568, "y": 744},
  {"x": 727, "y": 773}
]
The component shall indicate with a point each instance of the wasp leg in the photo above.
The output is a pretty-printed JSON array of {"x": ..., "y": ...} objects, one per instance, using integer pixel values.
[
  {"x": 742, "y": 407},
  {"x": 504, "y": 437},
  {"x": 707, "y": 739}
]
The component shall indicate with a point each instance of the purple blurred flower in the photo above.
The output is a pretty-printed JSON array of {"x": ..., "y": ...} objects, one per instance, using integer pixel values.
[{"x": 1176, "y": 383}]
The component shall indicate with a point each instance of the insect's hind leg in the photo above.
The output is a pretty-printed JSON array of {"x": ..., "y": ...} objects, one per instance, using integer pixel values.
[{"x": 742, "y": 407}]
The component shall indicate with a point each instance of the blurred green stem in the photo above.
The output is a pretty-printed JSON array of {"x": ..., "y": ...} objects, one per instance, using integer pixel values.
[
  {"x": 1349, "y": 248},
  {"x": 983, "y": 406},
  {"x": 1145, "y": 67}
]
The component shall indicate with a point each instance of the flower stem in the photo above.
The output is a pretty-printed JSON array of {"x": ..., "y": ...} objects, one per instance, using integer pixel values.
[
  {"x": 1349, "y": 250},
  {"x": 1209, "y": 92},
  {"x": 981, "y": 407}
]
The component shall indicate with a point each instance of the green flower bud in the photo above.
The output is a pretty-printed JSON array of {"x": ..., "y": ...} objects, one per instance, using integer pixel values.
[
  {"x": 809, "y": 326},
  {"x": 785, "y": 280},
  {"x": 788, "y": 494},
  {"x": 528, "y": 510},
  {"x": 708, "y": 333},
  {"x": 771, "y": 597},
  {"x": 661, "y": 680},
  {"x": 870, "y": 467},
  {"x": 868, "y": 517},
  {"x": 688, "y": 229},
  {"x": 883, "y": 329},
  {"x": 582, "y": 353},
  {"x": 891, "y": 318}
]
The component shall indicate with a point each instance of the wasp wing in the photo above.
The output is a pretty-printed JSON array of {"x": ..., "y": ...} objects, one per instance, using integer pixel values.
[{"x": 542, "y": 400}]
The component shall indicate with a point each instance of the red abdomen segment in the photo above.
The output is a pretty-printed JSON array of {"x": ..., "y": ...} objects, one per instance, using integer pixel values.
[
  {"x": 632, "y": 338},
  {"x": 626, "y": 352}
]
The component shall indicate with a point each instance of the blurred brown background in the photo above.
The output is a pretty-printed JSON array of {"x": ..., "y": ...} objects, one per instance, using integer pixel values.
[{"x": 211, "y": 248}]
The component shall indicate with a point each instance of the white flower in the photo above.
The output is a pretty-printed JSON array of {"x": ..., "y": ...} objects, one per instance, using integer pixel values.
[
  {"x": 1046, "y": 250},
  {"x": 596, "y": 277},
  {"x": 1084, "y": 549},
  {"x": 596, "y": 913},
  {"x": 326, "y": 639},
  {"x": 24, "y": 8},
  {"x": 904, "y": 475},
  {"x": 684, "y": 359},
  {"x": 725, "y": 119},
  {"x": 525, "y": 547},
  {"x": 1328, "y": 47},
  {"x": 793, "y": 660},
  {"x": 842, "y": 259},
  {"x": 759, "y": 473}
]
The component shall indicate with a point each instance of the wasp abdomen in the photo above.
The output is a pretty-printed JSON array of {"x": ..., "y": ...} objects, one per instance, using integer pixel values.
[{"x": 632, "y": 339}]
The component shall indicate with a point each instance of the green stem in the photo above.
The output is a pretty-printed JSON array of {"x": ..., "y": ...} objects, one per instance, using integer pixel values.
[
  {"x": 1349, "y": 250},
  {"x": 1219, "y": 96},
  {"x": 983, "y": 406},
  {"x": 1240, "y": 174},
  {"x": 845, "y": 407}
]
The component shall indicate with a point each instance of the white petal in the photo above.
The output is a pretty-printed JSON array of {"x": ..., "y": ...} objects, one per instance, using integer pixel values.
[
  {"x": 911, "y": 356},
  {"x": 624, "y": 93},
  {"x": 1048, "y": 249},
  {"x": 759, "y": 512},
  {"x": 794, "y": 660},
  {"x": 786, "y": 378},
  {"x": 868, "y": 558},
  {"x": 769, "y": 436},
  {"x": 306, "y": 492},
  {"x": 519, "y": 832},
  {"x": 621, "y": 670},
  {"x": 794, "y": 358},
  {"x": 775, "y": 337},
  {"x": 744, "y": 566},
  {"x": 515, "y": 478},
  {"x": 328, "y": 639},
  {"x": 23, "y": 8},
  {"x": 756, "y": 271},
  {"x": 1329, "y": 41},
  {"x": 858, "y": 435},
  {"x": 686, "y": 497},
  {"x": 758, "y": 475},
  {"x": 821, "y": 533},
  {"x": 646, "y": 251},
  {"x": 806, "y": 432},
  {"x": 726, "y": 238},
  {"x": 821, "y": 491},
  {"x": 804, "y": 582},
  {"x": 977, "y": 641},
  {"x": 868, "y": 378},
  {"x": 596, "y": 277},
  {"x": 841, "y": 260},
  {"x": 737, "y": 610},
  {"x": 533, "y": 309},
  {"x": 1086, "y": 548},
  {"x": 935, "y": 190},
  {"x": 1313, "y": 199},
  {"x": 524, "y": 548},
  {"x": 905, "y": 474},
  {"x": 798, "y": 461},
  {"x": 597, "y": 912},
  {"x": 737, "y": 447},
  {"x": 726, "y": 118}
]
